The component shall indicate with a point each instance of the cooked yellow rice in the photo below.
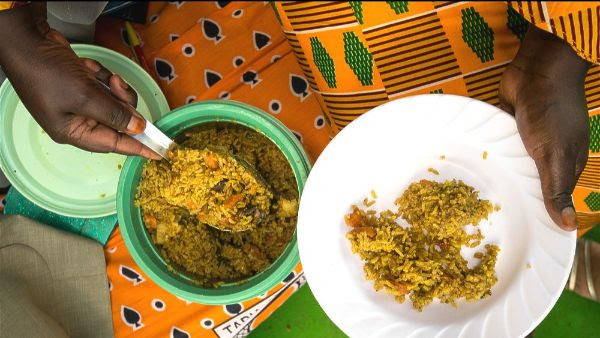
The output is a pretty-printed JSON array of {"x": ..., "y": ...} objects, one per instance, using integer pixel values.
[
  {"x": 210, "y": 256},
  {"x": 423, "y": 260}
]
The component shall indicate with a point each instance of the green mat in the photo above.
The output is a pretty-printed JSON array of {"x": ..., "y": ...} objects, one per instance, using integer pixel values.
[
  {"x": 301, "y": 316},
  {"x": 98, "y": 229}
]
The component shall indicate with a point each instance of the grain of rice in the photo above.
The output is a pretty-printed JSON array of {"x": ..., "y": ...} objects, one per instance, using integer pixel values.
[{"x": 433, "y": 171}]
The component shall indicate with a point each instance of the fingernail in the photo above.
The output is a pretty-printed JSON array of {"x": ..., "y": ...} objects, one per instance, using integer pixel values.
[
  {"x": 136, "y": 125},
  {"x": 569, "y": 219}
]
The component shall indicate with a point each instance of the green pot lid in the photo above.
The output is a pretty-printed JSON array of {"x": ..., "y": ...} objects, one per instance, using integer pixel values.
[{"x": 61, "y": 178}]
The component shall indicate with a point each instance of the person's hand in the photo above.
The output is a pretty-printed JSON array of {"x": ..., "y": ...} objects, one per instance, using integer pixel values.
[
  {"x": 61, "y": 90},
  {"x": 544, "y": 88}
]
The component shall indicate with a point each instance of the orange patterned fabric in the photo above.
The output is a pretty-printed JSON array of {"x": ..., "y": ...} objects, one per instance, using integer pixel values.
[
  {"x": 141, "y": 308},
  {"x": 575, "y": 22},
  {"x": 247, "y": 59},
  {"x": 307, "y": 62},
  {"x": 6, "y": 5}
]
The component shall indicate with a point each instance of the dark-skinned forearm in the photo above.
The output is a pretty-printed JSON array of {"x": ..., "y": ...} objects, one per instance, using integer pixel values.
[{"x": 21, "y": 31}]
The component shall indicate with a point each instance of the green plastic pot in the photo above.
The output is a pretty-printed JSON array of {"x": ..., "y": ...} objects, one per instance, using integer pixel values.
[{"x": 138, "y": 239}]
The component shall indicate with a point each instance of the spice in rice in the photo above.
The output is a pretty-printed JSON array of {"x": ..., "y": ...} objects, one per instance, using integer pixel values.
[
  {"x": 423, "y": 260},
  {"x": 213, "y": 257}
]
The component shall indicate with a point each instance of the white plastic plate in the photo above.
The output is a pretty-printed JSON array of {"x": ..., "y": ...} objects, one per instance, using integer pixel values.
[{"x": 392, "y": 146}]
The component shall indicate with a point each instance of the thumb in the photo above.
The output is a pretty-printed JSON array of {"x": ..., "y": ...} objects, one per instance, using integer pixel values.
[
  {"x": 558, "y": 179},
  {"x": 109, "y": 111}
]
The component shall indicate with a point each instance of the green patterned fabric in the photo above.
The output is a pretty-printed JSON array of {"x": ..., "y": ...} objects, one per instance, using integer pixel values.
[
  {"x": 593, "y": 201},
  {"x": 398, "y": 6},
  {"x": 357, "y": 8},
  {"x": 595, "y": 133},
  {"x": 358, "y": 58},
  {"x": 516, "y": 23},
  {"x": 477, "y": 34},
  {"x": 98, "y": 229},
  {"x": 323, "y": 61}
]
